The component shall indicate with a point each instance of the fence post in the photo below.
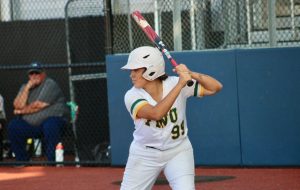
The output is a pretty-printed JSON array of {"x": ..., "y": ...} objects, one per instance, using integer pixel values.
[
  {"x": 6, "y": 10},
  {"x": 249, "y": 23},
  {"x": 192, "y": 24},
  {"x": 69, "y": 59},
  {"x": 108, "y": 29},
  {"x": 272, "y": 23},
  {"x": 156, "y": 17},
  {"x": 129, "y": 25},
  {"x": 177, "y": 34}
]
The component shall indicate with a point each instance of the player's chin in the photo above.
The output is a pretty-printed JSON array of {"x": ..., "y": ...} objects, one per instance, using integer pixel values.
[{"x": 137, "y": 85}]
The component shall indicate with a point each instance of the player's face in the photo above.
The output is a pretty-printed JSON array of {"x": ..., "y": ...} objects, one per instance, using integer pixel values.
[{"x": 137, "y": 78}]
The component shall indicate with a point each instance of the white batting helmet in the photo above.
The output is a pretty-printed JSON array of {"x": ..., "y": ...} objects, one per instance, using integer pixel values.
[{"x": 147, "y": 57}]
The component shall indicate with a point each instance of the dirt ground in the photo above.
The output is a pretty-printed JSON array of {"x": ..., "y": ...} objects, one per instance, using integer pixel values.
[{"x": 109, "y": 178}]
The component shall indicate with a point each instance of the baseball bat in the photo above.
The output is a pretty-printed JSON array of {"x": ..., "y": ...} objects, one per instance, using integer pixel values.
[{"x": 154, "y": 38}]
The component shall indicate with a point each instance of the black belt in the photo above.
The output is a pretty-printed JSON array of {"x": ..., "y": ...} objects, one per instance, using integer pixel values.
[{"x": 153, "y": 148}]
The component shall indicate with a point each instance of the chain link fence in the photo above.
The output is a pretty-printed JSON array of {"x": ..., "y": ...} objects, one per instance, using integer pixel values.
[
  {"x": 209, "y": 24},
  {"x": 68, "y": 37},
  {"x": 72, "y": 37}
]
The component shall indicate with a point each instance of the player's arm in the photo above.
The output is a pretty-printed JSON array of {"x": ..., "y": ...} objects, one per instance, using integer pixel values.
[
  {"x": 209, "y": 84},
  {"x": 158, "y": 111},
  {"x": 161, "y": 108}
]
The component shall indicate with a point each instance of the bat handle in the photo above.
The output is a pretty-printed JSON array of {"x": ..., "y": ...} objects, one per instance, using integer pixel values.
[
  {"x": 190, "y": 82},
  {"x": 174, "y": 63}
]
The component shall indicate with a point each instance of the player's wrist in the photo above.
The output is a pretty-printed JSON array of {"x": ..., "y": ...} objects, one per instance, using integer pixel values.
[{"x": 181, "y": 84}]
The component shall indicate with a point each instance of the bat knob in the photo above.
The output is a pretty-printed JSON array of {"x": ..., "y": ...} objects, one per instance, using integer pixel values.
[{"x": 190, "y": 83}]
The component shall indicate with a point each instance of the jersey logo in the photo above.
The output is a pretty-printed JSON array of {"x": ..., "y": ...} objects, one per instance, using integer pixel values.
[{"x": 171, "y": 116}]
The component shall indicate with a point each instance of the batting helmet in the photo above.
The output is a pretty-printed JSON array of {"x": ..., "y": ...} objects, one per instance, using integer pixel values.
[{"x": 147, "y": 57}]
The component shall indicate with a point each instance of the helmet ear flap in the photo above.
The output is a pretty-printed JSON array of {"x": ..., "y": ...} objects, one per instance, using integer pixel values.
[{"x": 150, "y": 73}]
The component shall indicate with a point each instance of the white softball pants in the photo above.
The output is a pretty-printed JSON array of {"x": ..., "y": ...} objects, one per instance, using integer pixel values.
[{"x": 145, "y": 164}]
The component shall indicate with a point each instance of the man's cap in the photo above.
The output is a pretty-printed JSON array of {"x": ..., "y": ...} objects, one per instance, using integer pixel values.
[{"x": 35, "y": 67}]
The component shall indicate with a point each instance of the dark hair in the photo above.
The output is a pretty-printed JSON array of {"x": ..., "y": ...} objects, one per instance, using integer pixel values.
[{"x": 163, "y": 77}]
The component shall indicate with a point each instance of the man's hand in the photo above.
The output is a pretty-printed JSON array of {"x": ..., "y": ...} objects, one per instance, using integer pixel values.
[
  {"x": 17, "y": 112},
  {"x": 31, "y": 108},
  {"x": 32, "y": 83}
]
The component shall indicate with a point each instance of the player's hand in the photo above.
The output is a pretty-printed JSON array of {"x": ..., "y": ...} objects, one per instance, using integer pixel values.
[{"x": 184, "y": 74}]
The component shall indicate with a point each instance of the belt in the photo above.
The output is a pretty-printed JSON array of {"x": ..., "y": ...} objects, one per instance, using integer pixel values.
[{"x": 154, "y": 148}]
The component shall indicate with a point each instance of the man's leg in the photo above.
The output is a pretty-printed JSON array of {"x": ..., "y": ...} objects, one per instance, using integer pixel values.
[
  {"x": 52, "y": 130},
  {"x": 18, "y": 132}
]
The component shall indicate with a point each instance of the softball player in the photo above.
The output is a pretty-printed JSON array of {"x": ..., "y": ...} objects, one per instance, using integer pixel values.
[{"x": 157, "y": 105}]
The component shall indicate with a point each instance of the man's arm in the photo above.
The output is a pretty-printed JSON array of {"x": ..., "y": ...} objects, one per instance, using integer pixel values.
[
  {"x": 35, "y": 106},
  {"x": 21, "y": 99}
]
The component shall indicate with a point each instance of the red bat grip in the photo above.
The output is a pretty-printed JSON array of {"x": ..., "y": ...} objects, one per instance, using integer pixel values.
[{"x": 173, "y": 62}]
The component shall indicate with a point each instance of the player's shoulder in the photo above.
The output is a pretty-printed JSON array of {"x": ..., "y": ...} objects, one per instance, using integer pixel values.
[
  {"x": 172, "y": 80},
  {"x": 133, "y": 92}
]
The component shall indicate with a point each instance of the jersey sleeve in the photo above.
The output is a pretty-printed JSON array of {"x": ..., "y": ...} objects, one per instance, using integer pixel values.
[
  {"x": 198, "y": 89},
  {"x": 195, "y": 90},
  {"x": 134, "y": 101}
]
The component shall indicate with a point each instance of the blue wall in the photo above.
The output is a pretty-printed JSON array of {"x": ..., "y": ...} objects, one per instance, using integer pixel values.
[{"x": 252, "y": 121}]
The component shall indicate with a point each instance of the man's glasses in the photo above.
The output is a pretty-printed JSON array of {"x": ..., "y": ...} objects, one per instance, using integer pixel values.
[{"x": 34, "y": 73}]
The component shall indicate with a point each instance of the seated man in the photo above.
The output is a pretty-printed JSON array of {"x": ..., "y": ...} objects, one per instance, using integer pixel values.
[
  {"x": 41, "y": 109},
  {"x": 2, "y": 121}
]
